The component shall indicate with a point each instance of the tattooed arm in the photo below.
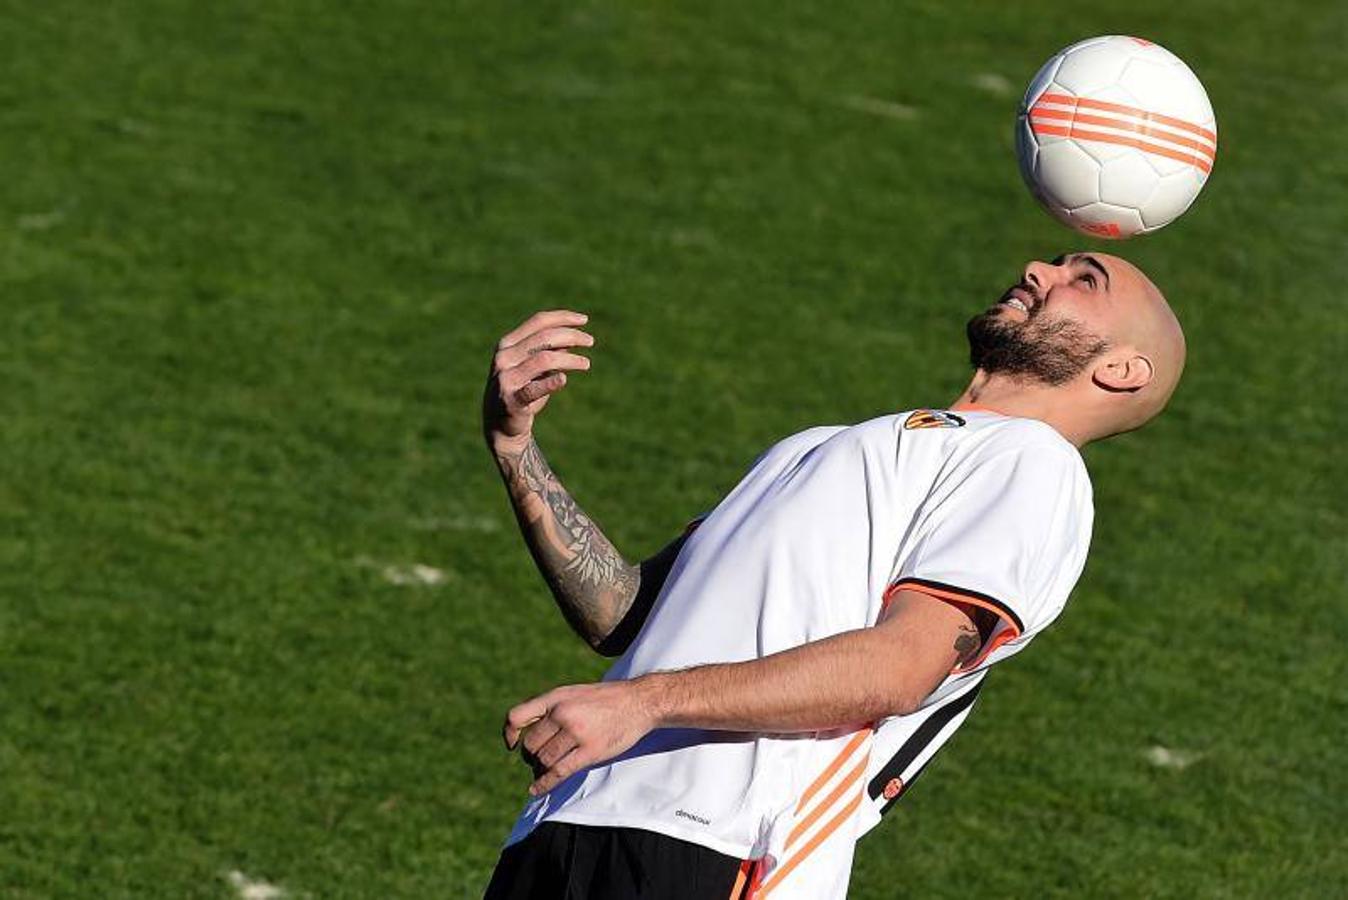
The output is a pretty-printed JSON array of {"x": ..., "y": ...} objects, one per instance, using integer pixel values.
[
  {"x": 602, "y": 596},
  {"x": 596, "y": 589}
]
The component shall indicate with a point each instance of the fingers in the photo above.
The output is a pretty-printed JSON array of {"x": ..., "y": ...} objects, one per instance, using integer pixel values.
[
  {"x": 536, "y": 737},
  {"x": 548, "y": 339},
  {"x": 540, "y": 375},
  {"x": 551, "y": 318},
  {"x": 521, "y": 717},
  {"x": 547, "y": 747},
  {"x": 546, "y": 361},
  {"x": 553, "y": 750},
  {"x": 569, "y": 730},
  {"x": 540, "y": 387},
  {"x": 538, "y": 734},
  {"x": 568, "y": 765},
  {"x": 544, "y": 742},
  {"x": 529, "y": 366}
]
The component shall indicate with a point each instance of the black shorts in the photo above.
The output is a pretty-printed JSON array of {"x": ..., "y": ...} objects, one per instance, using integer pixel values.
[{"x": 560, "y": 861}]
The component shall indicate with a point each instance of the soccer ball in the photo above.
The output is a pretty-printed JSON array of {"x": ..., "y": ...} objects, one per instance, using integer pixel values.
[{"x": 1116, "y": 136}]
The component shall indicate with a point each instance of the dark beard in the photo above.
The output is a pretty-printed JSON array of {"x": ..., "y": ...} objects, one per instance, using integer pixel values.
[{"x": 1051, "y": 352}]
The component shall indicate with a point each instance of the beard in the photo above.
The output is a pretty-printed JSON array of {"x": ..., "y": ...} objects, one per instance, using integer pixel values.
[{"x": 1051, "y": 352}]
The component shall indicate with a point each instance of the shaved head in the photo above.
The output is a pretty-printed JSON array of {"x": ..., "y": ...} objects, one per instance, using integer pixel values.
[{"x": 1149, "y": 326}]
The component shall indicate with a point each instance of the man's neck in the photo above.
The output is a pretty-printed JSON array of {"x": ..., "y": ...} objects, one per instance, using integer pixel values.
[{"x": 1025, "y": 399}]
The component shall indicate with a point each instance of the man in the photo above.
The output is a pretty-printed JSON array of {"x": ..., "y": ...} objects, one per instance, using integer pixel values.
[{"x": 789, "y": 665}]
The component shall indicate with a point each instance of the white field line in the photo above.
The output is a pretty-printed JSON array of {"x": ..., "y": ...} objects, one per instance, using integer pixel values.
[
  {"x": 406, "y": 574},
  {"x": 482, "y": 524},
  {"x": 876, "y": 107},
  {"x": 40, "y": 221},
  {"x": 416, "y": 573},
  {"x": 1169, "y": 758},
  {"x": 993, "y": 83},
  {"x": 251, "y": 889}
]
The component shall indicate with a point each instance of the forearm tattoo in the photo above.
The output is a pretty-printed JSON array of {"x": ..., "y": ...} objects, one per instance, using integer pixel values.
[{"x": 593, "y": 584}]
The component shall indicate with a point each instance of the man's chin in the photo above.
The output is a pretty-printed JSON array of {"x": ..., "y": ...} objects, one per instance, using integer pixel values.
[{"x": 997, "y": 320}]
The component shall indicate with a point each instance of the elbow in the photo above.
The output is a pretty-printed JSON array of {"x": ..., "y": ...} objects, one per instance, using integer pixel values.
[
  {"x": 614, "y": 640},
  {"x": 631, "y": 612},
  {"x": 905, "y": 704},
  {"x": 904, "y": 700}
]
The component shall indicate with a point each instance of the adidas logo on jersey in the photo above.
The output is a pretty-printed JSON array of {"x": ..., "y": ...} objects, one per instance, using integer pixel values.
[{"x": 932, "y": 418}]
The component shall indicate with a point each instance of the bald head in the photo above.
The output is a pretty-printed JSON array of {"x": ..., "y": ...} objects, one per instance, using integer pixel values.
[{"x": 1144, "y": 327}]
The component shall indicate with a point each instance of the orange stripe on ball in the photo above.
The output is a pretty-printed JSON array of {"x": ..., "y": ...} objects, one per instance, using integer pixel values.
[{"x": 1142, "y": 114}]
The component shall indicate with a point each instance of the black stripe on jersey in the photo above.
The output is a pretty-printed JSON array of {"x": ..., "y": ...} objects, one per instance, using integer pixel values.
[
  {"x": 907, "y": 786},
  {"x": 918, "y": 741},
  {"x": 955, "y": 589}
]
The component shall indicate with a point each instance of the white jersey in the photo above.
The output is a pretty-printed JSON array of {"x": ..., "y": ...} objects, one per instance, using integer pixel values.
[{"x": 970, "y": 506}]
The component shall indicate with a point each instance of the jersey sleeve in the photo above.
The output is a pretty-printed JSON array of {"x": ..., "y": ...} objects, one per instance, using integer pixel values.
[{"x": 1008, "y": 534}]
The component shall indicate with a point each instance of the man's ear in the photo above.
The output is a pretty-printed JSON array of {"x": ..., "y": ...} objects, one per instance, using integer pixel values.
[{"x": 1129, "y": 371}]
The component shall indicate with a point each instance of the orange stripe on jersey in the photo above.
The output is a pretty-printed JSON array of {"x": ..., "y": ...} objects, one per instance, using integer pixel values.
[
  {"x": 809, "y": 847},
  {"x": 1101, "y": 137},
  {"x": 1144, "y": 115},
  {"x": 833, "y": 767},
  {"x": 952, "y": 595},
  {"x": 822, "y": 807},
  {"x": 1202, "y": 149},
  {"x": 741, "y": 880}
]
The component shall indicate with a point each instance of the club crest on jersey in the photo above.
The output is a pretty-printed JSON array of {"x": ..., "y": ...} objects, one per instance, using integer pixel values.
[{"x": 932, "y": 418}]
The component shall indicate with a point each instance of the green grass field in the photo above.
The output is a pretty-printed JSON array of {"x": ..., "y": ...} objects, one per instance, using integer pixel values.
[{"x": 254, "y": 260}]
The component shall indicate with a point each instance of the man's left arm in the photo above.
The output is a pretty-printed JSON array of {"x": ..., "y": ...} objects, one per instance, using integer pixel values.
[{"x": 849, "y": 679}]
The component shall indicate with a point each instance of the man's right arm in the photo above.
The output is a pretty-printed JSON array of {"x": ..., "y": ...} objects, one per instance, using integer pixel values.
[{"x": 602, "y": 596}]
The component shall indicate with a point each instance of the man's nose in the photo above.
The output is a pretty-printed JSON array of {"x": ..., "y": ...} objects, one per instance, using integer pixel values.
[{"x": 1041, "y": 275}]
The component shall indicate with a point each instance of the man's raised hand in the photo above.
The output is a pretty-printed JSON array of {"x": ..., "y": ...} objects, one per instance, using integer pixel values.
[
  {"x": 593, "y": 584},
  {"x": 530, "y": 366}
]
